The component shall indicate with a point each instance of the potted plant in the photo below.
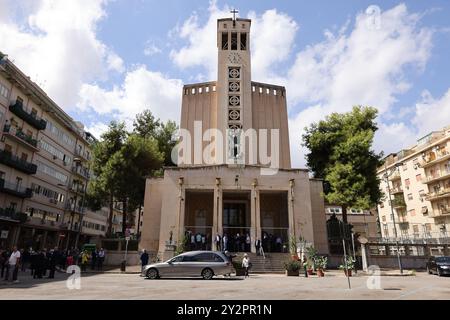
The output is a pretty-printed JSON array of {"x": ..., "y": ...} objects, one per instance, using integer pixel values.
[
  {"x": 347, "y": 266},
  {"x": 237, "y": 265},
  {"x": 293, "y": 248},
  {"x": 292, "y": 268},
  {"x": 311, "y": 254},
  {"x": 321, "y": 265}
]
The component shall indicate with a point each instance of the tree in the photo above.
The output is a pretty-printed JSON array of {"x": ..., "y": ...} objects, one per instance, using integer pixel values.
[
  {"x": 145, "y": 125},
  {"x": 100, "y": 190},
  {"x": 341, "y": 154}
]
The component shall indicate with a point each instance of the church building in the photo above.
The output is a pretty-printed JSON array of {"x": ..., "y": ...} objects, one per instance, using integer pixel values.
[{"x": 233, "y": 177}]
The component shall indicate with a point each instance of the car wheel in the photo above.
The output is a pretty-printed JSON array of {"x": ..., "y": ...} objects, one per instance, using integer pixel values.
[
  {"x": 207, "y": 274},
  {"x": 152, "y": 273}
]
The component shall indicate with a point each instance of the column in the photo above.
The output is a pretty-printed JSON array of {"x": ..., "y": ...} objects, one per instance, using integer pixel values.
[
  {"x": 45, "y": 239},
  {"x": 364, "y": 257},
  {"x": 217, "y": 214},
  {"x": 291, "y": 199},
  {"x": 253, "y": 219},
  {"x": 256, "y": 202},
  {"x": 15, "y": 238},
  {"x": 181, "y": 213}
]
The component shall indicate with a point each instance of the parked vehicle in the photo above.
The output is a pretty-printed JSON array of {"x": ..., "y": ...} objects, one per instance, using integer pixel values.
[
  {"x": 205, "y": 264},
  {"x": 438, "y": 265}
]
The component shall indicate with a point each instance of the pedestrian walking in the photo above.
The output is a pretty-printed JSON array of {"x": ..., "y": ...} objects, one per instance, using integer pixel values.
[
  {"x": 84, "y": 260},
  {"x": 52, "y": 259},
  {"x": 246, "y": 264},
  {"x": 39, "y": 265},
  {"x": 218, "y": 242}
]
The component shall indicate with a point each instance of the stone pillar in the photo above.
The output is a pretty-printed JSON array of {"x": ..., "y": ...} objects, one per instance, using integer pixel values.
[
  {"x": 217, "y": 214},
  {"x": 181, "y": 211},
  {"x": 253, "y": 220},
  {"x": 291, "y": 209},
  {"x": 256, "y": 203},
  {"x": 45, "y": 239},
  {"x": 364, "y": 257}
]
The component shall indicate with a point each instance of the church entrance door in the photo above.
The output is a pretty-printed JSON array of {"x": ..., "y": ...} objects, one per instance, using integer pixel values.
[{"x": 236, "y": 222}]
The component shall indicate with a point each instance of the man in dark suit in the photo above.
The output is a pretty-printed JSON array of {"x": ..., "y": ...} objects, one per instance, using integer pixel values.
[{"x": 258, "y": 246}]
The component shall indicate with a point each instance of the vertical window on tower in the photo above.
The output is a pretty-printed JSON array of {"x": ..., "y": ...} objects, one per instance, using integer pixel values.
[
  {"x": 234, "y": 41},
  {"x": 224, "y": 40},
  {"x": 243, "y": 41}
]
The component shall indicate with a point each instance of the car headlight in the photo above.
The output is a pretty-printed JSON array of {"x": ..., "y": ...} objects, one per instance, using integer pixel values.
[{"x": 444, "y": 267}]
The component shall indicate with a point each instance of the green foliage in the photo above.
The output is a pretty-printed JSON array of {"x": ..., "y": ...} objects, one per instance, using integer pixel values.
[
  {"x": 321, "y": 262},
  {"x": 292, "y": 245},
  {"x": 350, "y": 263},
  {"x": 292, "y": 265},
  {"x": 341, "y": 153}
]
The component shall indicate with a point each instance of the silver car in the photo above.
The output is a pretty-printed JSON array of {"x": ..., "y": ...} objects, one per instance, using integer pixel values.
[{"x": 205, "y": 264}]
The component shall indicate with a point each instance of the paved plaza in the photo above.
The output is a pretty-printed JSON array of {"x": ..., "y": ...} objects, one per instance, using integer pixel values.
[{"x": 274, "y": 286}]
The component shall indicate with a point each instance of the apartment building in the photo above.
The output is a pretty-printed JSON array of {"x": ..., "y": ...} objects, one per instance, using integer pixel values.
[
  {"x": 44, "y": 167},
  {"x": 417, "y": 179}
]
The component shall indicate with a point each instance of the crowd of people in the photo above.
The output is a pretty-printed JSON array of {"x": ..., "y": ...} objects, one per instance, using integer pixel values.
[{"x": 44, "y": 263}]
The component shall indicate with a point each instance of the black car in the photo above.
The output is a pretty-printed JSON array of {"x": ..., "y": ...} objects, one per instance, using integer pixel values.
[{"x": 438, "y": 265}]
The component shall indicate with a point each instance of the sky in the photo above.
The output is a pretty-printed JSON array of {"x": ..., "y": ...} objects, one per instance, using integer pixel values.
[{"x": 104, "y": 60}]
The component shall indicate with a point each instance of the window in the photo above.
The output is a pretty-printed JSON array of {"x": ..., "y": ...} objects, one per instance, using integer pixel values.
[
  {"x": 224, "y": 40},
  {"x": 415, "y": 229},
  {"x": 419, "y": 177},
  {"x": 234, "y": 41},
  {"x": 8, "y": 148},
  {"x": 382, "y": 205},
  {"x": 410, "y": 196},
  {"x": 405, "y": 166},
  {"x": 51, "y": 172},
  {"x": 2, "y": 175},
  {"x": 383, "y": 218},
  {"x": 4, "y": 92},
  {"x": 407, "y": 183},
  {"x": 412, "y": 212},
  {"x": 243, "y": 41},
  {"x": 24, "y": 157},
  {"x": 425, "y": 211},
  {"x": 59, "y": 134}
]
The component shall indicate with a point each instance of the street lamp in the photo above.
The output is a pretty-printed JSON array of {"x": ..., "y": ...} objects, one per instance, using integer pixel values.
[{"x": 386, "y": 179}]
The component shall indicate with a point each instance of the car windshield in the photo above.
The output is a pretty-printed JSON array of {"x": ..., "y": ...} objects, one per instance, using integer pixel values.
[{"x": 443, "y": 259}]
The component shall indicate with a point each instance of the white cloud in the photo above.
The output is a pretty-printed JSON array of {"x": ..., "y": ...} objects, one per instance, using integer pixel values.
[
  {"x": 141, "y": 89},
  {"x": 365, "y": 67},
  {"x": 202, "y": 47},
  {"x": 432, "y": 114},
  {"x": 55, "y": 43},
  {"x": 391, "y": 138},
  {"x": 97, "y": 129},
  {"x": 151, "y": 49}
]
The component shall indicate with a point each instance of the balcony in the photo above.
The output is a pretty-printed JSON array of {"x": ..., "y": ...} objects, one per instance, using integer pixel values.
[
  {"x": 398, "y": 203},
  {"x": 15, "y": 162},
  {"x": 30, "y": 118},
  {"x": 73, "y": 208},
  {"x": 15, "y": 190},
  {"x": 19, "y": 136},
  {"x": 445, "y": 174},
  {"x": 80, "y": 155},
  {"x": 441, "y": 194},
  {"x": 10, "y": 214},
  {"x": 434, "y": 157},
  {"x": 81, "y": 171},
  {"x": 395, "y": 176},
  {"x": 443, "y": 210},
  {"x": 397, "y": 190}
]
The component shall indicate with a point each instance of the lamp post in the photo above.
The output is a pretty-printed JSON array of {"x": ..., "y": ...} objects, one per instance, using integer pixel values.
[{"x": 386, "y": 177}]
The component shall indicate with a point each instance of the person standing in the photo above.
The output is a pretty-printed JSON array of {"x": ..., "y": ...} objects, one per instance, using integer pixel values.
[
  {"x": 248, "y": 242},
  {"x": 257, "y": 246},
  {"x": 52, "y": 258},
  {"x": 237, "y": 245},
  {"x": 84, "y": 260},
  {"x": 13, "y": 265},
  {"x": 39, "y": 264},
  {"x": 246, "y": 264},
  {"x": 218, "y": 242},
  {"x": 144, "y": 259},
  {"x": 305, "y": 266},
  {"x": 100, "y": 258},
  {"x": 225, "y": 242}
]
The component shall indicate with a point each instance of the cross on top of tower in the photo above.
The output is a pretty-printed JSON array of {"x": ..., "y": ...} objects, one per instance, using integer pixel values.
[{"x": 234, "y": 11}]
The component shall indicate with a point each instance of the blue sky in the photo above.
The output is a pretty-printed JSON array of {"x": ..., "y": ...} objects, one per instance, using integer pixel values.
[{"x": 102, "y": 60}]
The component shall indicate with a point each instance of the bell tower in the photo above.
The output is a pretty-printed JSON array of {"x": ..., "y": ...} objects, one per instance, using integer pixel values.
[{"x": 234, "y": 105}]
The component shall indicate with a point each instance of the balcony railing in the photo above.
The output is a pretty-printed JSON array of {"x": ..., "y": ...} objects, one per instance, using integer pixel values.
[
  {"x": 398, "y": 189},
  {"x": 20, "y": 135},
  {"x": 82, "y": 154},
  {"x": 442, "y": 211},
  {"x": 11, "y": 214},
  {"x": 398, "y": 203},
  {"x": 74, "y": 208},
  {"x": 395, "y": 176},
  {"x": 443, "y": 193},
  {"x": 81, "y": 171},
  {"x": 15, "y": 162},
  {"x": 434, "y": 157},
  {"x": 30, "y": 118},
  {"x": 437, "y": 176},
  {"x": 15, "y": 190}
]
